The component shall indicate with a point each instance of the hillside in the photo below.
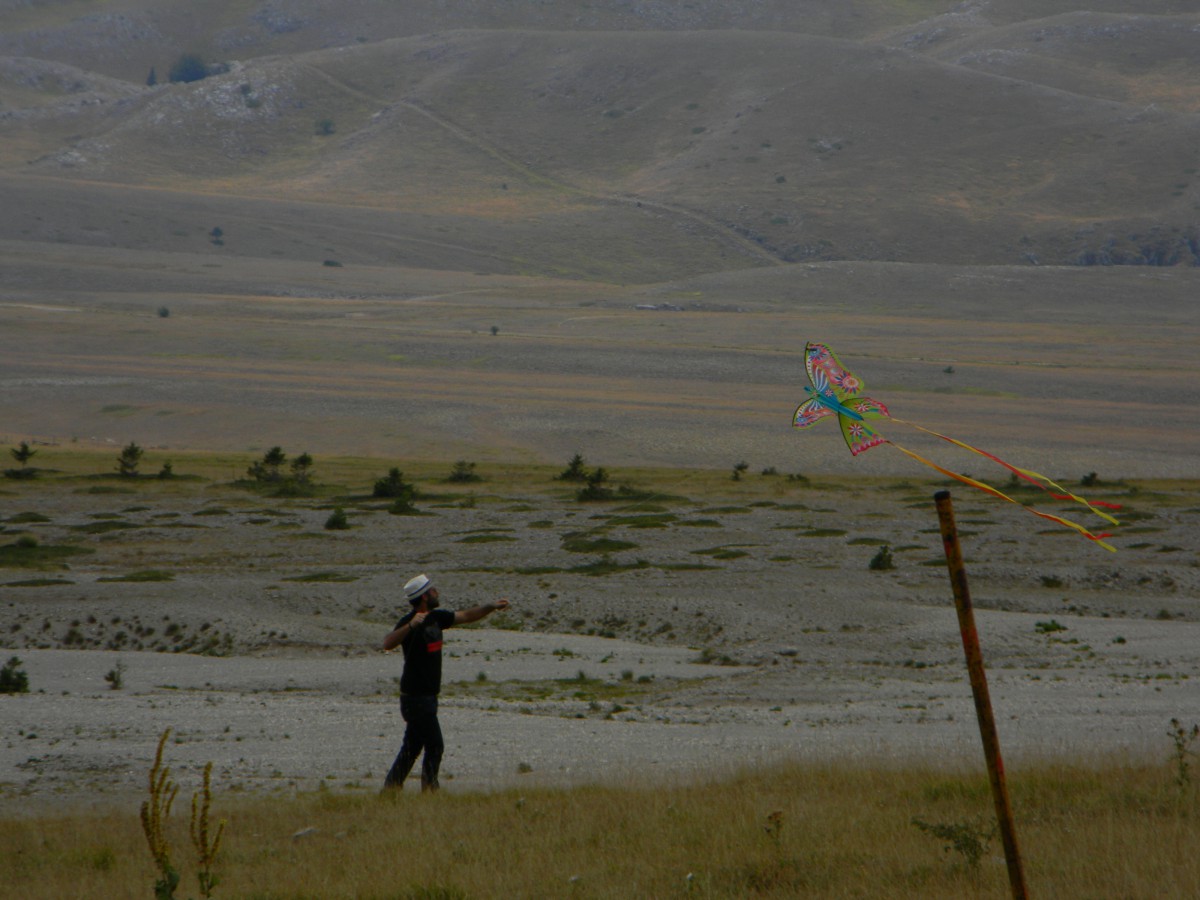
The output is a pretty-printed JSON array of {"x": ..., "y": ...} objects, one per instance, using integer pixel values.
[{"x": 621, "y": 143}]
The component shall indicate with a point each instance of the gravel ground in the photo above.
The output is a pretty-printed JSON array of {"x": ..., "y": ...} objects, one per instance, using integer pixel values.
[{"x": 785, "y": 645}]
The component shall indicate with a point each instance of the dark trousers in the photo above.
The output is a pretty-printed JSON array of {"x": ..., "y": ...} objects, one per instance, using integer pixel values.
[{"x": 423, "y": 733}]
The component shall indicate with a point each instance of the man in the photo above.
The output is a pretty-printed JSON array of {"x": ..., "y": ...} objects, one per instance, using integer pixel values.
[{"x": 419, "y": 634}]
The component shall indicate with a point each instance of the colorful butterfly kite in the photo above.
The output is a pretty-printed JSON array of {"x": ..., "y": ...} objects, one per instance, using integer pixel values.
[{"x": 836, "y": 392}]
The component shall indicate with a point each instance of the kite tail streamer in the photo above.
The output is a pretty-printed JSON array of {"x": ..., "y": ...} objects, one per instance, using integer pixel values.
[
  {"x": 1098, "y": 538},
  {"x": 1032, "y": 477}
]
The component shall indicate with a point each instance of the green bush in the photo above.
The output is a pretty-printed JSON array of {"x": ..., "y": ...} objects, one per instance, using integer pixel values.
[
  {"x": 127, "y": 462},
  {"x": 394, "y": 486},
  {"x": 463, "y": 473},
  {"x": 882, "y": 560},
  {"x": 188, "y": 68},
  {"x": 13, "y": 679},
  {"x": 337, "y": 520}
]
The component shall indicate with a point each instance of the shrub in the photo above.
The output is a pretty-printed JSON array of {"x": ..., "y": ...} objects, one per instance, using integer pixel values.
[
  {"x": 116, "y": 676},
  {"x": 575, "y": 470},
  {"x": 13, "y": 679},
  {"x": 23, "y": 453},
  {"x": 188, "y": 68},
  {"x": 393, "y": 486},
  {"x": 337, "y": 520},
  {"x": 127, "y": 462},
  {"x": 595, "y": 489},
  {"x": 302, "y": 469},
  {"x": 967, "y": 839},
  {"x": 463, "y": 472},
  {"x": 267, "y": 468},
  {"x": 325, "y": 127},
  {"x": 882, "y": 560}
]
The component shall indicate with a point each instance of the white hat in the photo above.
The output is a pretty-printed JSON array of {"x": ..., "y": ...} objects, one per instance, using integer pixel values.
[{"x": 416, "y": 587}]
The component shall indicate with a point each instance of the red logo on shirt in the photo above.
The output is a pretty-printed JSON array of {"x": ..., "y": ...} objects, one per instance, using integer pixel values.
[{"x": 435, "y": 647}]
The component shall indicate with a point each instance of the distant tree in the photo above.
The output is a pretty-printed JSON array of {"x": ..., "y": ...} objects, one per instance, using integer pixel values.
[
  {"x": 216, "y": 237},
  {"x": 393, "y": 487},
  {"x": 164, "y": 313},
  {"x": 495, "y": 330},
  {"x": 574, "y": 471},
  {"x": 267, "y": 468},
  {"x": 463, "y": 472},
  {"x": 738, "y": 469},
  {"x": 189, "y": 67},
  {"x": 167, "y": 471},
  {"x": 152, "y": 78},
  {"x": 13, "y": 679},
  {"x": 325, "y": 127},
  {"x": 337, "y": 520},
  {"x": 127, "y": 462},
  {"x": 595, "y": 488},
  {"x": 302, "y": 469},
  {"x": 23, "y": 453}
]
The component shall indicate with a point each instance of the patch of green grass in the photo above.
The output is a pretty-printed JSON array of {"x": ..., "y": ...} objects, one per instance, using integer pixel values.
[
  {"x": 145, "y": 575},
  {"x": 866, "y": 542},
  {"x": 212, "y": 511},
  {"x": 485, "y": 538},
  {"x": 726, "y": 510},
  {"x": 104, "y": 527},
  {"x": 606, "y": 566},
  {"x": 38, "y": 582},
  {"x": 579, "y": 543},
  {"x": 27, "y": 518},
  {"x": 323, "y": 578},
  {"x": 700, "y": 523},
  {"x": 823, "y": 532},
  {"x": 27, "y": 553},
  {"x": 721, "y": 552},
  {"x": 649, "y": 520}
]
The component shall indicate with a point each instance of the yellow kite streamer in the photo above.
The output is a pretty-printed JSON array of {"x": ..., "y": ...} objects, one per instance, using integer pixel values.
[{"x": 833, "y": 391}]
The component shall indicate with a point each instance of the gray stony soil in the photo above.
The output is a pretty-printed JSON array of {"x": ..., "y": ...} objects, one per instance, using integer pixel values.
[{"x": 741, "y": 633}]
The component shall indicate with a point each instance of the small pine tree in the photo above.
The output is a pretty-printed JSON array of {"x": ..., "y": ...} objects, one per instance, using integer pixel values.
[
  {"x": 302, "y": 469},
  {"x": 595, "y": 488},
  {"x": 463, "y": 472},
  {"x": 575, "y": 471},
  {"x": 152, "y": 78},
  {"x": 127, "y": 462},
  {"x": 23, "y": 453},
  {"x": 882, "y": 560},
  {"x": 13, "y": 679},
  {"x": 337, "y": 520},
  {"x": 267, "y": 468},
  {"x": 393, "y": 486}
]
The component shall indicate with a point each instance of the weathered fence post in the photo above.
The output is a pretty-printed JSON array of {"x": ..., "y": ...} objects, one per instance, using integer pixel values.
[{"x": 979, "y": 688}]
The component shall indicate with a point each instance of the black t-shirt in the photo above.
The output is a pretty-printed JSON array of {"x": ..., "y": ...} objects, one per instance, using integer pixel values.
[{"x": 423, "y": 653}]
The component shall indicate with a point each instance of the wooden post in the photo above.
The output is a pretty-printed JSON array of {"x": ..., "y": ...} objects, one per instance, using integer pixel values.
[{"x": 979, "y": 688}]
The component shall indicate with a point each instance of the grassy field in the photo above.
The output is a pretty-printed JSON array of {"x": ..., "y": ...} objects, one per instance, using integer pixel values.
[{"x": 1107, "y": 829}]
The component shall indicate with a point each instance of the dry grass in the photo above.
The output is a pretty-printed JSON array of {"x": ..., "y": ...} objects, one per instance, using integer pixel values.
[{"x": 1086, "y": 831}]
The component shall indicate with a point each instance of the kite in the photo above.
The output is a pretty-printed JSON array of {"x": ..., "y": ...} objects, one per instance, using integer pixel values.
[{"x": 836, "y": 392}]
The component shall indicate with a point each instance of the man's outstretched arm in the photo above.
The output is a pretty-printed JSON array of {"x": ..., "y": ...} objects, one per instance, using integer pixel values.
[{"x": 475, "y": 613}]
